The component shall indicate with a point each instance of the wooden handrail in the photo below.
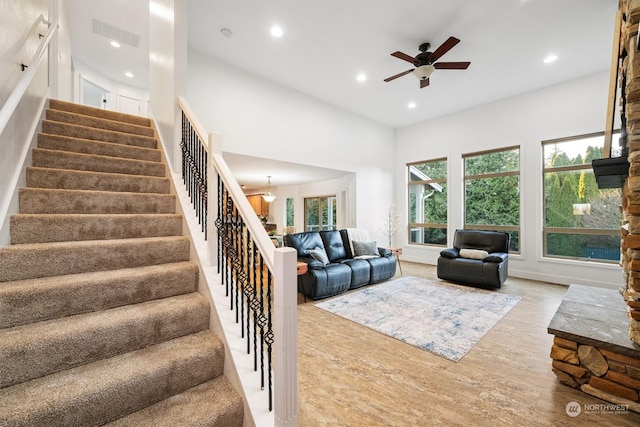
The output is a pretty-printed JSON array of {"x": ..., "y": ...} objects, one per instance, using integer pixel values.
[{"x": 15, "y": 97}]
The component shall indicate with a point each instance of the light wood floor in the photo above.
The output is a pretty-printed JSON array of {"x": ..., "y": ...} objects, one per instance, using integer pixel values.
[{"x": 349, "y": 375}]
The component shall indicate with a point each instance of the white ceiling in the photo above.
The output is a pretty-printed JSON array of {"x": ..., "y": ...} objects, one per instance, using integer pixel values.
[{"x": 327, "y": 43}]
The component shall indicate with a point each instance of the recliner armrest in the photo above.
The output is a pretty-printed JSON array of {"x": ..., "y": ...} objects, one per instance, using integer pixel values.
[
  {"x": 496, "y": 257},
  {"x": 450, "y": 253},
  {"x": 312, "y": 264}
]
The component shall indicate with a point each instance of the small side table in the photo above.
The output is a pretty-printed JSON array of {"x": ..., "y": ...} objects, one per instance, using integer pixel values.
[
  {"x": 396, "y": 252},
  {"x": 301, "y": 268}
]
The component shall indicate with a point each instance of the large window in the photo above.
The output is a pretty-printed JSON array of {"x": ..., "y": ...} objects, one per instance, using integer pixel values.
[
  {"x": 492, "y": 192},
  {"x": 580, "y": 220},
  {"x": 427, "y": 191},
  {"x": 320, "y": 213}
]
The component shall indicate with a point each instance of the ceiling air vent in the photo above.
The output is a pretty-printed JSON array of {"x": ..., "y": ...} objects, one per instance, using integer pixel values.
[{"x": 114, "y": 33}]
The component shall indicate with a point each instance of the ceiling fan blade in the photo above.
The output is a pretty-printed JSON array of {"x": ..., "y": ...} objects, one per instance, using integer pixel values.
[
  {"x": 444, "y": 48},
  {"x": 451, "y": 65},
  {"x": 403, "y": 56},
  {"x": 424, "y": 83},
  {"x": 388, "y": 79}
]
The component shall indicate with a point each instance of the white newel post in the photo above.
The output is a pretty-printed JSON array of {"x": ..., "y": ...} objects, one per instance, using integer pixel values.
[
  {"x": 214, "y": 146},
  {"x": 285, "y": 331}
]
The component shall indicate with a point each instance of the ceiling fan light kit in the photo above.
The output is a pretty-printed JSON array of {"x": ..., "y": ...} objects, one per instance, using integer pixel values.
[
  {"x": 423, "y": 72},
  {"x": 425, "y": 62}
]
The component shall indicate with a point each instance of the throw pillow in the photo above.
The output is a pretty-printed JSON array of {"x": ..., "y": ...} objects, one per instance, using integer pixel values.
[
  {"x": 473, "y": 253},
  {"x": 365, "y": 248},
  {"x": 319, "y": 254}
]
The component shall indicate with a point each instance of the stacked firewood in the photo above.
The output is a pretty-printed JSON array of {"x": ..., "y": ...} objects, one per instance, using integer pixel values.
[{"x": 630, "y": 85}]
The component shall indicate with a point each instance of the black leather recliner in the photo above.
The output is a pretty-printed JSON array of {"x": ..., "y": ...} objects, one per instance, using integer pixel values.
[
  {"x": 485, "y": 261},
  {"x": 343, "y": 271}
]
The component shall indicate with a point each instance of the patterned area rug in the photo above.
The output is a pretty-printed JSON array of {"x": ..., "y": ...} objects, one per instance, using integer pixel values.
[{"x": 445, "y": 319}]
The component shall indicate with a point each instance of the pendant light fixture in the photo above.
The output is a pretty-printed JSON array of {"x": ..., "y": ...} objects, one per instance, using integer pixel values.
[{"x": 268, "y": 196}]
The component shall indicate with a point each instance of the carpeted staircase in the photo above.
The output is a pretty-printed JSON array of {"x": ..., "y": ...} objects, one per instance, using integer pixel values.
[{"x": 100, "y": 318}]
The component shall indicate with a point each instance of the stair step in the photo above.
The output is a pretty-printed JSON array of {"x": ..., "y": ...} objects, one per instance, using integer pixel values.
[
  {"x": 84, "y": 132},
  {"x": 44, "y": 228},
  {"x": 39, "y": 349},
  {"x": 54, "y": 201},
  {"x": 97, "y": 122},
  {"x": 88, "y": 146},
  {"x": 215, "y": 403},
  {"x": 100, "y": 181},
  {"x": 98, "y": 112},
  {"x": 33, "y": 260},
  {"x": 45, "y": 158},
  {"x": 45, "y": 298},
  {"x": 103, "y": 391}
]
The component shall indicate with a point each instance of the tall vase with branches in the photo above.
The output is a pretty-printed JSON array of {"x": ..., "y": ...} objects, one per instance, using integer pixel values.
[{"x": 390, "y": 223}]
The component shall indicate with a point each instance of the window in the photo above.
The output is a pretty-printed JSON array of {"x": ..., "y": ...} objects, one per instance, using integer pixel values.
[
  {"x": 427, "y": 198},
  {"x": 320, "y": 213},
  {"x": 580, "y": 220},
  {"x": 492, "y": 192},
  {"x": 290, "y": 217}
]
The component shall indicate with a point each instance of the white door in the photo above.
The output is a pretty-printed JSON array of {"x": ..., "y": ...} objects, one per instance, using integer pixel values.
[
  {"x": 93, "y": 95},
  {"x": 129, "y": 105}
]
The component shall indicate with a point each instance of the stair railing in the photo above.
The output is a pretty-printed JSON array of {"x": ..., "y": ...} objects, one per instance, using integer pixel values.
[{"x": 260, "y": 280}]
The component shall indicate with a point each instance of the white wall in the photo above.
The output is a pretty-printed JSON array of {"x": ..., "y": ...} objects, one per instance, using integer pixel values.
[
  {"x": 573, "y": 108},
  {"x": 167, "y": 69},
  {"x": 263, "y": 119},
  {"x": 17, "y": 45}
]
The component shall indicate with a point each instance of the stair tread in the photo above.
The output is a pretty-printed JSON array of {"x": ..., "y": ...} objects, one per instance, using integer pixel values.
[
  {"x": 43, "y": 157},
  {"x": 47, "y": 200},
  {"x": 214, "y": 403},
  {"x": 42, "y": 348},
  {"x": 45, "y": 228},
  {"x": 97, "y": 122},
  {"x": 89, "y": 146},
  {"x": 103, "y": 135},
  {"x": 31, "y": 260},
  {"x": 111, "y": 388},
  {"x": 45, "y": 298},
  {"x": 70, "y": 179},
  {"x": 98, "y": 112}
]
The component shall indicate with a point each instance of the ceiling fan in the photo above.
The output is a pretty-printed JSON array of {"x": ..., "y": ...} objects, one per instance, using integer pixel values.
[{"x": 425, "y": 62}]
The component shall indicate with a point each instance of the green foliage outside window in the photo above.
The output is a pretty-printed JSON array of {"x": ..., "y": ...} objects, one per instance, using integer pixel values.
[{"x": 580, "y": 220}]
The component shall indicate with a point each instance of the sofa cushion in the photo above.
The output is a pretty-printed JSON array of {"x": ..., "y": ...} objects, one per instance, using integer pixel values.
[
  {"x": 304, "y": 242},
  {"x": 334, "y": 245},
  {"x": 319, "y": 254},
  {"x": 364, "y": 248},
  {"x": 473, "y": 253}
]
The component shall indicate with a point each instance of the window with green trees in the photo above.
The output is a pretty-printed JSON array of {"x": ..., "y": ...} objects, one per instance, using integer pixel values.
[
  {"x": 492, "y": 192},
  {"x": 580, "y": 220},
  {"x": 320, "y": 213},
  {"x": 427, "y": 198},
  {"x": 290, "y": 211}
]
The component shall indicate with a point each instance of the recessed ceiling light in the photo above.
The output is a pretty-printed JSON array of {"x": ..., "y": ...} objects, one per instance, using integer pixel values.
[
  {"x": 128, "y": 74},
  {"x": 549, "y": 59},
  {"x": 361, "y": 77},
  {"x": 276, "y": 31},
  {"x": 115, "y": 44},
  {"x": 411, "y": 105}
]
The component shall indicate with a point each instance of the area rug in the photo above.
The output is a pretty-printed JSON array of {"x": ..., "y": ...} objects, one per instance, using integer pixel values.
[{"x": 445, "y": 319}]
